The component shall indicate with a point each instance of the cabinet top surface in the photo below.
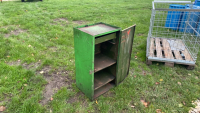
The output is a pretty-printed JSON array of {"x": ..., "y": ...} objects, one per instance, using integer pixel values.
[{"x": 97, "y": 29}]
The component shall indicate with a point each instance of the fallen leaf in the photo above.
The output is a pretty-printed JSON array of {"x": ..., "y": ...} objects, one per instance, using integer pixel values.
[
  {"x": 41, "y": 72},
  {"x": 25, "y": 84},
  {"x": 2, "y": 108},
  {"x": 179, "y": 83},
  {"x": 96, "y": 102},
  {"x": 180, "y": 105},
  {"x": 158, "y": 111},
  {"x": 133, "y": 106},
  {"x": 144, "y": 103},
  {"x": 51, "y": 98},
  {"x": 183, "y": 103},
  {"x": 161, "y": 80},
  {"x": 157, "y": 83},
  {"x": 135, "y": 57}
]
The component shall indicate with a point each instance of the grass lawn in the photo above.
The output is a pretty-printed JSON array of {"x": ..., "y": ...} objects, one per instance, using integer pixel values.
[{"x": 37, "y": 64}]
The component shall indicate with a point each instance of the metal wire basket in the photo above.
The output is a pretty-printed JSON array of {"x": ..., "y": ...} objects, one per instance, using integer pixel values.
[{"x": 174, "y": 33}]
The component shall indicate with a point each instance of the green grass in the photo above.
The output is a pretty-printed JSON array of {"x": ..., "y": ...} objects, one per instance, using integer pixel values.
[{"x": 52, "y": 44}]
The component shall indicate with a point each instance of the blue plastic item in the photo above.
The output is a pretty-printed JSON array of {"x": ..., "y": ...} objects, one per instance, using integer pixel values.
[
  {"x": 198, "y": 29},
  {"x": 197, "y": 2},
  {"x": 191, "y": 17},
  {"x": 174, "y": 17}
]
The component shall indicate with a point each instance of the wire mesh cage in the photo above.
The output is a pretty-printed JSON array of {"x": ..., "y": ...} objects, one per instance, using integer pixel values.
[{"x": 174, "y": 32}]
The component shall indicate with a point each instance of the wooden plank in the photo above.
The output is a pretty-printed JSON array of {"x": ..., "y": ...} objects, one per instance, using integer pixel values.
[
  {"x": 102, "y": 61},
  {"x": 105, "y": 38},
  {"x": 167, "y": 49},
  {"x": 101, "y": 78},
  {"x": 158, "y": 48},
  {"x": 177, "y": 55},
  {"x": 186, "y": 53},
  {"x": 102, "y": 90},
  {"x": 151, "y": 52}
]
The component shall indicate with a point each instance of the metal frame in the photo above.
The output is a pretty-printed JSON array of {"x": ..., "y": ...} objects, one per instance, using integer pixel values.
[{"x": 191, "y": 40}]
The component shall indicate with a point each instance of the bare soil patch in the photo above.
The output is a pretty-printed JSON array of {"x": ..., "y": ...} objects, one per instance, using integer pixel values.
[
  {"x": 79, "y": 22},
  {"x": 79, "y": 97},
  {"x": 53, "y": 49},
  {"x": 109, "y": 94},
  {"x": 56, "y": 80},
  {"x": 31, "y": 65},
  {"x": 60, "y": 21},
  {"x": 34, "y": 65},
  {"x": 14, "y": 63},
  {"x": 140, "y": 34},
  {"x": 8, "y": 26},
  {"x": 15, "y": 32}
]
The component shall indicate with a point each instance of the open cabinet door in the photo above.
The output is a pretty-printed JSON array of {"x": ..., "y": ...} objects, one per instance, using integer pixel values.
[{"x": 124, "y": 56}]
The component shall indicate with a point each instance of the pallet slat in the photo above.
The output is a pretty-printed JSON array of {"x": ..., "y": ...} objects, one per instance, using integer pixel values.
[
  {"x": 167, "y": 49},
  {"x": 177, "y": 55},
  {"x": 151, "y": 53},
  {"x": 158, "y": 48},
  {"x": 186, "y": 53}
]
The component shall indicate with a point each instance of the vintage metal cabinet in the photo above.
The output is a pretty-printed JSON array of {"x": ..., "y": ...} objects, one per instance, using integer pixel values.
[{"x": 102, "y": 57}]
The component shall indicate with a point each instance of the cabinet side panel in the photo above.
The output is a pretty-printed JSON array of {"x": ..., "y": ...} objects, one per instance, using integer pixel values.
[
  {"x": 84, "y": 62},
  {"x": 125, "y": 50}
]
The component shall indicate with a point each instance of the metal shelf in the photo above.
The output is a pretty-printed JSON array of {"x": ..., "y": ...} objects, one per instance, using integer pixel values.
[
  {"x": 102, "y": 61},
  {"x": 101, "y": 78},
  {"x": 103, "y": 89}
]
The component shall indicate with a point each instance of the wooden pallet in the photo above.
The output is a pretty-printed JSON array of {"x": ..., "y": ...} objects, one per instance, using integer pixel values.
[{"x": 160, "y": 48}]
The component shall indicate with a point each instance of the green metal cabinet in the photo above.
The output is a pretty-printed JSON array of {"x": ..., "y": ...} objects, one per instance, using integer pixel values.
[{"x": 102, "y": 57}]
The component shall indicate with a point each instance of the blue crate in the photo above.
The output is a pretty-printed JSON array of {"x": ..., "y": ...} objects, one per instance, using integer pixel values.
[
  {"x": 191, "y": 17},
  {"x": 197, "y": 2},
  {"x": 174, "y": 17}
]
